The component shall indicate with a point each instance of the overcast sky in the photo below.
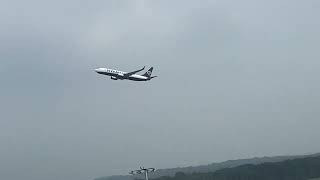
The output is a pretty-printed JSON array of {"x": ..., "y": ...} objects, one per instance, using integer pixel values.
[{"x": 237, "y": 79}]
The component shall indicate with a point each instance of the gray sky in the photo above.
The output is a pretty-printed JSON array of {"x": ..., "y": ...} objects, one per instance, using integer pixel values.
[{"x": 237, "y": 79}]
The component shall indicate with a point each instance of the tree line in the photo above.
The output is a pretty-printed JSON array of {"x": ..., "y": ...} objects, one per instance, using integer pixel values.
[{"x": 297, "y": 169}]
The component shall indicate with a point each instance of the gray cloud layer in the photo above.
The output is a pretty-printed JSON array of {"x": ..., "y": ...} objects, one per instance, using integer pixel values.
[{"x": 236, "y": 79}]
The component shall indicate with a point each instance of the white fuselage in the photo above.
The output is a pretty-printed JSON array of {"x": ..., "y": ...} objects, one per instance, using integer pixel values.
[{"x": 116, "y": 74}]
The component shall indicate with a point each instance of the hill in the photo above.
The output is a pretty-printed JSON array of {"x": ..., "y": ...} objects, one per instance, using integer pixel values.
[
  {"x": 297, "y": 169},
  {"x": 208, "y": 168}
]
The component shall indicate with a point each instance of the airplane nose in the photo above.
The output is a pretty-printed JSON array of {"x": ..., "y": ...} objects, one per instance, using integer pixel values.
[{"x": 96, "y": 70}]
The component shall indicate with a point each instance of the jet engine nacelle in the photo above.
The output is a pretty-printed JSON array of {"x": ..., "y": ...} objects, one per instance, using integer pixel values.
[
  {"x": 114, "y": 78},
  {"x": 120, "y": 76}
]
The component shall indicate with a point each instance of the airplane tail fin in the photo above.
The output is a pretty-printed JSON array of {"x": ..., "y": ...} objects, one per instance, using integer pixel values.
[{"x": 148, "y": 73}]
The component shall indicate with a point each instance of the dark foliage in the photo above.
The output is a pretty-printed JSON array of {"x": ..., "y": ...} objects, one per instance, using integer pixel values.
[{"x": 298, "y": 169}]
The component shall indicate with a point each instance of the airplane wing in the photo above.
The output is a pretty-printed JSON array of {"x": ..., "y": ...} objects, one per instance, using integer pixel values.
[{"x": 132, "y": 73}]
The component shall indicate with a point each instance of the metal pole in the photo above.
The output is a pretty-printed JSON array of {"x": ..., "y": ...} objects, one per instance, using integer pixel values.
[{"x": 146, "y": 172}]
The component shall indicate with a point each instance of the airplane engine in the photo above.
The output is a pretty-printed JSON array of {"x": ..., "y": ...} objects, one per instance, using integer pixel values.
[
  {"x": 120, "y": 76},
  {"x": 114, "y": 78}
]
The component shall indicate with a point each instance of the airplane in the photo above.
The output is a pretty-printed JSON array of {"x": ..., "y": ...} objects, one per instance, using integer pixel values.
[{"x": 115, "y": 74}]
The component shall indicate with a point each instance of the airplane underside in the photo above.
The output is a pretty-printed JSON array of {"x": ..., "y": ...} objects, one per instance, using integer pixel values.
[{"x": 130, "y": 78}]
